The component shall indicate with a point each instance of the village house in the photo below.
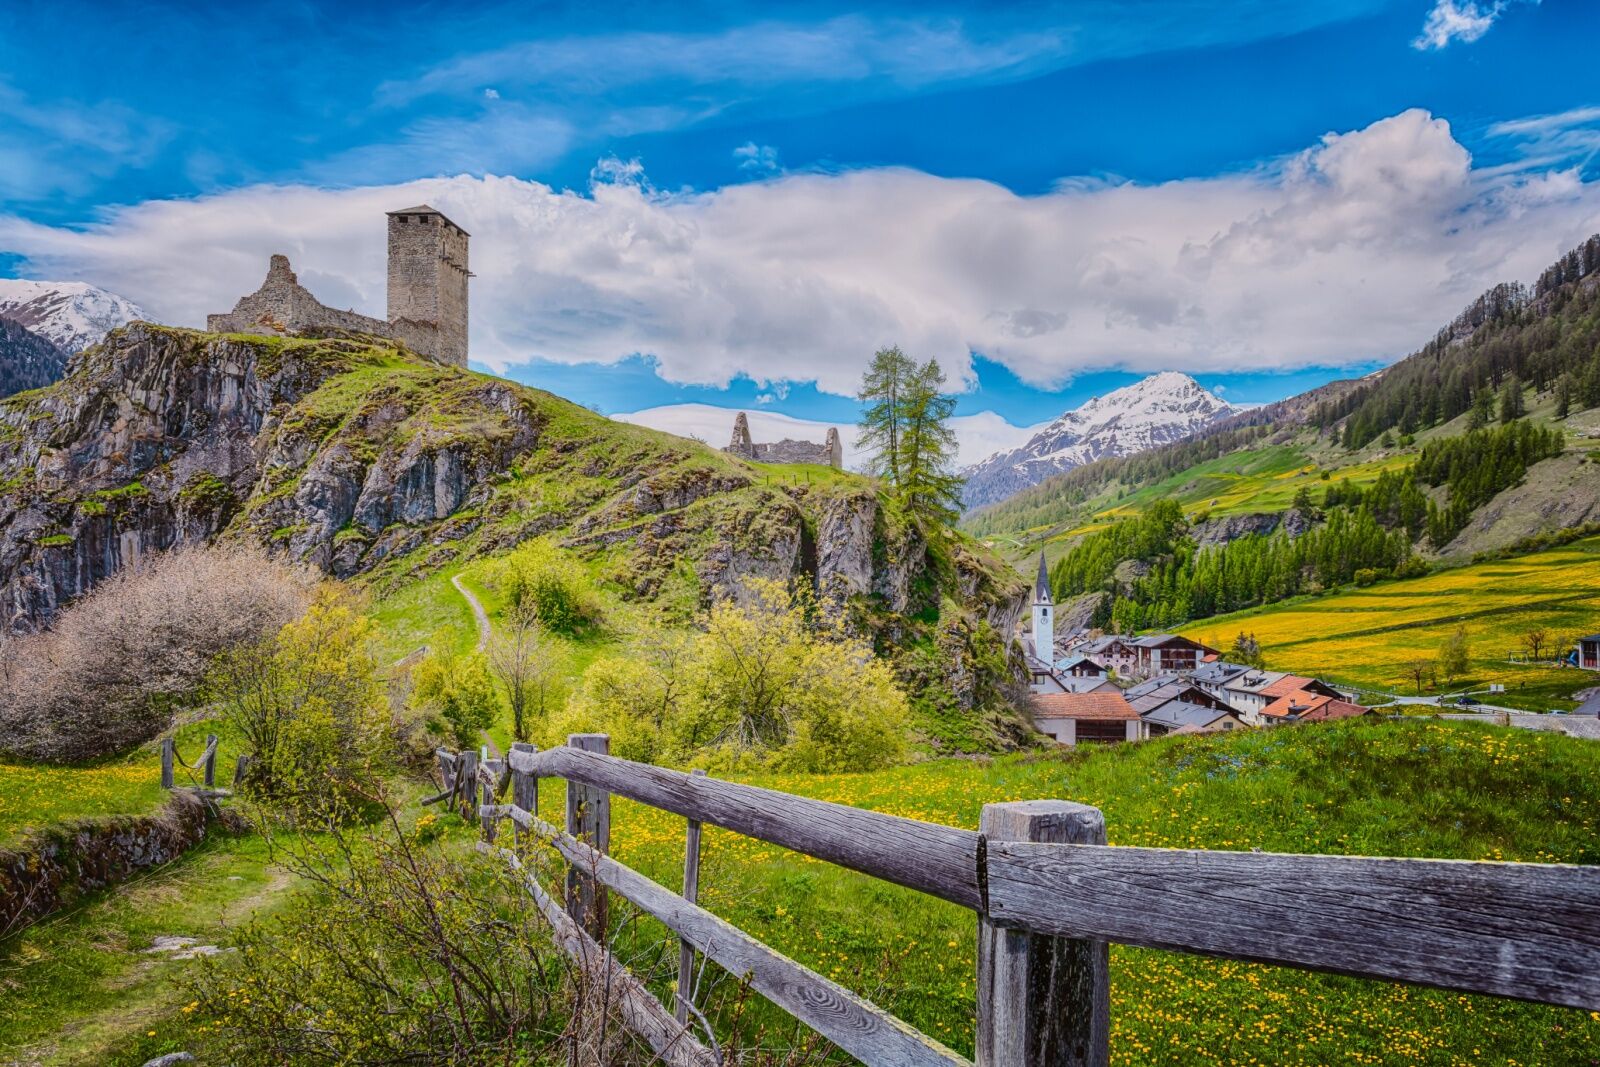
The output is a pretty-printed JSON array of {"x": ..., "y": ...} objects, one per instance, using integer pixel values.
[
  {"x": 1589, "y": 652},
  {"x": 1304, "y": 706},
  {"x": 1115, "y": 652},
  {"x": 1168, "y": 654},
  {"x": 1180, "y": 716},
  {"x": 1087, "y": 718}
]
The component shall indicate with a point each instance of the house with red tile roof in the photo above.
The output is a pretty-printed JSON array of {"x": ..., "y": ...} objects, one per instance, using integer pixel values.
[
  {"x": 1303, "y": 705},
  {"x": 1100, "y": 717}
]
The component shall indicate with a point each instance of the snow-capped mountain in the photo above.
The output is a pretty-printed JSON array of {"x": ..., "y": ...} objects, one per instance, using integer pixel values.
[
  {"x": 74, "y": 315},
  {"x": 1158, "y": 410}
]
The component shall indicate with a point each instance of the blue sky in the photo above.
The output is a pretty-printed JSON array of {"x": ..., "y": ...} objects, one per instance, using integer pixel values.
[{"x": 733, "y": 204}]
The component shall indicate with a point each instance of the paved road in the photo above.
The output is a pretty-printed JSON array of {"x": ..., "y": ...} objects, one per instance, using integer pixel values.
[{"x": 1571, "y": 725}]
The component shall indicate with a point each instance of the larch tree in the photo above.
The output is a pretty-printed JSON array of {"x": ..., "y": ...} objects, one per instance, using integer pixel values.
[
  {"x": 883, "y": 391},
  {"x": 928, "y": 487}
]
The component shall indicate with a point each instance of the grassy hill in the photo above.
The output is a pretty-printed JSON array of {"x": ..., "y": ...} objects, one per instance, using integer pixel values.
[{"x": 1367, "y": 637}]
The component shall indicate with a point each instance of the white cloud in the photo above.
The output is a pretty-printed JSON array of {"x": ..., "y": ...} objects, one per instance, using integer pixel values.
[
  {"x": 1459, "y": 20},
  {"x": 977, "y": 436},
  {"x": 1355, "y": 249},
  {"x": 760, "y": 158}
]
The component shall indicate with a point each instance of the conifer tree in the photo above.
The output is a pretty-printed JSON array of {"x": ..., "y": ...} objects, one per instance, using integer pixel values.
[
  {"x": 928, "y": 487},
  {"x": 883, "y": 390}
]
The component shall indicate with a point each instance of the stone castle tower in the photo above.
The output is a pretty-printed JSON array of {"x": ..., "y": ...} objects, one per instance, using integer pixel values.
[
  {"x": 427, "y": 293},
  {"x": 428, "y": 277}
]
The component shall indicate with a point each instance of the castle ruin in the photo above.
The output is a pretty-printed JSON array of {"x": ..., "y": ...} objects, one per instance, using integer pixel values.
[
  {"x": 427, "y": 293},
  {"x": 830, "y": 453}
]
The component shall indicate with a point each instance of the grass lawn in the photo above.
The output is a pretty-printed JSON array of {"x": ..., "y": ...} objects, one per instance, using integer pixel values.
[
  {"x": 80, "y": 989},
  {"x": 1366, "y": 637},
  {"x": 1411, "y": 788},
  {"x": 33, "y": 796},
  {"x": 37, "y": 795}
]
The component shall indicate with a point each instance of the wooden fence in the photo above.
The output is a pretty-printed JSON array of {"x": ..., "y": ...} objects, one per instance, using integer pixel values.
[
  {"x": 1049, "y": 896},
  {"x": 206, "y": 764}
]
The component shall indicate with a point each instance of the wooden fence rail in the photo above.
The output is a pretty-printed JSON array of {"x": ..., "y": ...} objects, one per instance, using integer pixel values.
[{"x": 1049, "y": 896}]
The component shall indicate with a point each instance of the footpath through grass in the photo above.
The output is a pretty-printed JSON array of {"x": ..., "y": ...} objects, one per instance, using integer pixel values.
[
  {"x": 81, "y": 987},
  {"x": 1367, "y": 637},
  {"x": 1414, "y": 788}
]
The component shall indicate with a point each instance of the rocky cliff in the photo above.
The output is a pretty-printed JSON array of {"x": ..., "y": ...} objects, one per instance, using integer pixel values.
[{"x": 374, "y": 465}]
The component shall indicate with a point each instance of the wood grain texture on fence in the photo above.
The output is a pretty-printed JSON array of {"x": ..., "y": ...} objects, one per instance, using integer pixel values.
[
  {"x": 691, "y": 893},
  {"x": 588, "y": 820},
  {"x": 938, "y": 860},
  {"x": 856, "y": 1025},
  {"x": 604, "y": 976},
  {"x": 1527, "y": 931},
  {"x": 1044, "y": 1001}
]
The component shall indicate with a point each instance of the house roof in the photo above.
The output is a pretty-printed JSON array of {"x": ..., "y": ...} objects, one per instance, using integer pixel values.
[
  {"x": 1100, "y": 644},
  {"x": 1066, "y": 663},
  {"x": 1146, "y": 697},
  {"x": 1219, "y": 671},
  {"x": 1289, "y": 683},
  {"x": 1179, "y": 713},
  {"x": 1589, "y": 707},
  {"x": 1166, "y": 640},
  {"x": 1254, "y": 681},
  {"x": 1085, "y": 683},
  {"x": 1591, "y": 637},
  {"x": 1097, "y": 705},
  {"x": 1311, "y": 707}
]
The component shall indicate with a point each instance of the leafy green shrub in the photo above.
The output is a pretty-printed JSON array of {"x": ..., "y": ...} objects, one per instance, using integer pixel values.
[
  {"x": 1365, "y": 576},
  {"x": 308, "y": 702},
  {"x": 457, "y": 690},
  {"x": 557, "y": 588},
  {"x": 760, "y": 686}
]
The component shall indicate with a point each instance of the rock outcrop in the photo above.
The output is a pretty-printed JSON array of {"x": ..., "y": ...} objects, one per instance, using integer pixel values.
[{"x": 355, "y": 457}]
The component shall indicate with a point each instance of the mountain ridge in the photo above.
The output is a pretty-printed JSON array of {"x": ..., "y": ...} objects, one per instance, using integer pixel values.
[
  {"x": 72, "y": 315},
  {"x": 1154, "y": 411}
]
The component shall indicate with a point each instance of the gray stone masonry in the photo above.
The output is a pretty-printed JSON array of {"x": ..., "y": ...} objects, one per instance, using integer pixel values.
[
  {"x": 829, "y": 454},
  {"x": 427, "y": 293}
]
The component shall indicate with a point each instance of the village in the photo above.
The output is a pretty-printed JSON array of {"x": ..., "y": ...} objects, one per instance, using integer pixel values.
[{"x": 1088, "y": 687}]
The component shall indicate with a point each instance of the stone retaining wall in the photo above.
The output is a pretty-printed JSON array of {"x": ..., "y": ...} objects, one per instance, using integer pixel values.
[{"x": 54, "y": 867}]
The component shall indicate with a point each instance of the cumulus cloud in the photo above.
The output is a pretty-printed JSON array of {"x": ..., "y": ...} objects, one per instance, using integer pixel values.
[
  {"x": 1458, "y": 20},
  {"x": 977, "y": 436},
  {"x": 1353, "y": 249},
  {"x": 758, "y": 158}
]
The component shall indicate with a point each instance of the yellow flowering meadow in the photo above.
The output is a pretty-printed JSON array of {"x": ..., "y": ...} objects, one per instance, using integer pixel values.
[
  {"x": 1402, "y": 788},
  {"x": 33, "y": 796},
  {"x": 1367, "y": 636}
]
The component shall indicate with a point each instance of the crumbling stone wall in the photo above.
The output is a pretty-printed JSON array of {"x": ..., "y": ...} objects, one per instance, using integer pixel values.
[
  {"x": 283, "y": 306},
  {"x": 829, "y": 454}
]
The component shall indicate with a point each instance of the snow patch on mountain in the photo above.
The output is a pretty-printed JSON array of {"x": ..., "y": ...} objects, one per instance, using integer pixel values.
[
  {"x": 74, "y": 315},
  {"x": 1155, "y": 411}
]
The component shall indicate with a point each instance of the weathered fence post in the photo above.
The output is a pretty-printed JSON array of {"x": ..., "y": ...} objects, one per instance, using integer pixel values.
[
  {"x": 167, "y": 745},
  {"x": 691, "y": 893},
  {"x": 589, "y": 820},
  {"x": 524, "y": 787},
  {"x": 211, "y": 761},
  {"x": 1042, "y": 1001},
  {"x": 467, "y": 783},
  {"x": 239, "y": 767}
]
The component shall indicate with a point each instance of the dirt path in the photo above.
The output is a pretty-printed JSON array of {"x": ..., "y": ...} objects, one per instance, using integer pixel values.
[
  {"x": 477, "y": 611},
  {"x": 483, "y": 642}
]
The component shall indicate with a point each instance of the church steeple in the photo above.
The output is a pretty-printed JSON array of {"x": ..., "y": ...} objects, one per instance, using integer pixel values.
[{"x": 1044, "y": 640}]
